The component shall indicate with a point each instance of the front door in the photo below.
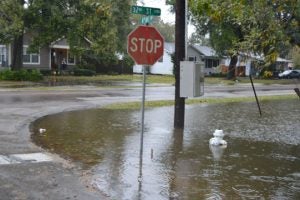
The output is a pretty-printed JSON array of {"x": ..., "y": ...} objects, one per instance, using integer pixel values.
[{"x": 57, "y": 57}]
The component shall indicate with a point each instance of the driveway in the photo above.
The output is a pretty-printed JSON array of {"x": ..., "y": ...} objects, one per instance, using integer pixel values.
[{"x": 29, "y": 172}]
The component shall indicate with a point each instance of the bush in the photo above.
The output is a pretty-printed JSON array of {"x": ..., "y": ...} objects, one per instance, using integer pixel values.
[
  {"x": 267, "y": 74},
  {"x": 84, "y": 72},
  {"x": 21, "y": 75},
  {"x": 217, "y": 75},
  {"x": 46, "y": 72},
  {"x": 6, "y": 75}
]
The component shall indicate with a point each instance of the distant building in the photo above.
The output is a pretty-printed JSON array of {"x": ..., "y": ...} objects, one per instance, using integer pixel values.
[
  {"x": 195, "y": 53},
  {"x": 247, "y": 63},
  {"x": 207, "y": 55},
  {"x": 164, "y": 65},
  {"x": 49, "y": 57}
]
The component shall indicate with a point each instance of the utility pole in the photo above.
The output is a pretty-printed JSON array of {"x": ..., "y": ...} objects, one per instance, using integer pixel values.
[{"x": 180, "y": 25}]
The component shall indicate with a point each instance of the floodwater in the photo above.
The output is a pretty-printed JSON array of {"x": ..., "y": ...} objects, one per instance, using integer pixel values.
[{"x": 261, "y": 161}]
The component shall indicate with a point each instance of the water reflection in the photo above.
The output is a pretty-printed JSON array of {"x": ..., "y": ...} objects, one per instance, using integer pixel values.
[{"x": 261, "y": 160}]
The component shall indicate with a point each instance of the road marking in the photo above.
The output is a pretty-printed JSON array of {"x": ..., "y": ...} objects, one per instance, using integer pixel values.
[{"x": 24, "y": 158}]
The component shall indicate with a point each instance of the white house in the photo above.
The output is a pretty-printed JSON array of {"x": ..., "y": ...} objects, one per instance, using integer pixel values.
[
  {"x": 164, "y": 65},
  {"x": 207, "y": 55},
  {"x": 195, "y": 53},
  {"x": 247, "y": 63}
]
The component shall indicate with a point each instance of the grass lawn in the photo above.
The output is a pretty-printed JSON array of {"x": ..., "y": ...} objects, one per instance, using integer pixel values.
[
  {"x": 153, "y": 104},
  {"x": 106, "y": 79},
  {"x": 166, "y": 79}
]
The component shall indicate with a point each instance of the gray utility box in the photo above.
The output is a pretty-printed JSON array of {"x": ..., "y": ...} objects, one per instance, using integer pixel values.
[{"x": 191, "y": 79}]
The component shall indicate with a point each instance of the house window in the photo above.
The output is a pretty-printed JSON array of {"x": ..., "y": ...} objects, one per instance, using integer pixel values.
[
  {"x": 2, "y": 54},
  {"x": 216, "y": 63},
  {"x": 193, "y": 58},
  {"x": 210, "y": 63},
  {"x": 30, "y": 58},
  {"x": 71, "y": 58}
]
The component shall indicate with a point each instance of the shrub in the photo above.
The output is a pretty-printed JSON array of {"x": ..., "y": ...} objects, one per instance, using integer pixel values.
[
  {"x": 34, "y": 75},
  {"x": 267, "y": 74},
  {"x": 46, "y": 72},
  {"x": 217, "y": 75},
  {"x": 84, "y": 72},
  {"x": 21, "y": 75},
  {"x": 6, "y": 75}
]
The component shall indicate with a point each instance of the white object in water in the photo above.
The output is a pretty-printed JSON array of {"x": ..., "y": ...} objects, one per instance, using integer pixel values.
[
  {"x": 217, "y": 140},
  {"x": 42, "y": 130}
]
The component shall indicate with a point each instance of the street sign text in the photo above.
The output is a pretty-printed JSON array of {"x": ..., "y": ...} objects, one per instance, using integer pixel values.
[{"x": 145, "y": 11}]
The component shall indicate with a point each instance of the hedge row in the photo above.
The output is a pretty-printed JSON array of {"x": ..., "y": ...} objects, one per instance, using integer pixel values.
[
  {"x": 75, "y": 72},
  {"x": 21, "y": 75}
]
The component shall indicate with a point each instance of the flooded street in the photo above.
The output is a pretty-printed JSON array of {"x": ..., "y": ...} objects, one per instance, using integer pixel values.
[{"x": 261, "y": 160}]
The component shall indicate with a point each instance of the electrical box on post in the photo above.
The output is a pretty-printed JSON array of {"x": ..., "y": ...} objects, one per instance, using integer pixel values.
[{"x": 191, "y": 79}]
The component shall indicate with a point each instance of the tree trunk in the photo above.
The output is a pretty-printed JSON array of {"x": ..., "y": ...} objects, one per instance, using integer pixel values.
[
  {"x": 17, "y": 47},
  {"x": 232, "y": 67},
  {"x": 17, "y": 54},
  {"x": 179, "y": 56}
]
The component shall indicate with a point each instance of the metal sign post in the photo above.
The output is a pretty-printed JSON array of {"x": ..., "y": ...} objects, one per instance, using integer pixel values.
[
  {"x": 142, "y": 121},
  {"x": 145, "y": 45}
]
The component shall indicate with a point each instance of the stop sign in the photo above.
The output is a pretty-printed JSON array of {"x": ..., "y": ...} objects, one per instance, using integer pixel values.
[{"x": 145, "y": 45}]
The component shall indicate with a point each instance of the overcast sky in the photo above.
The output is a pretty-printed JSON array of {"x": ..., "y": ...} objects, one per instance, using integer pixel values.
[{"x": 166, "y": 15}]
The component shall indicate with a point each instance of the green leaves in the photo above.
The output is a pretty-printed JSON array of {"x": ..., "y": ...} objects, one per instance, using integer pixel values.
[
  {"x": 11, "y": 20},
  {"x": 263, "y": 27},
  {"x": 104, "y": 23}
]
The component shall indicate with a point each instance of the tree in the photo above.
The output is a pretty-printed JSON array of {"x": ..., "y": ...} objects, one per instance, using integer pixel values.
[
  {"x": 121, "y": 19},
  {"x": 166, "y": 29},
  {"x": 94, "y": 20},
  {"x": 262, "y": 27},
  {"x": 296, "y": 57},
  {"x": 195, "y": 38},
  {"x": 12, "y": 24},
  {"x": 217, "y": 19},
  {"x": 77, "y": 20}
]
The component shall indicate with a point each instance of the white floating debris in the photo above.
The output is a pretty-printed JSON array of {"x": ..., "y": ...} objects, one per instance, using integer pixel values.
[
  {"x": 24, "y": 158},
  {"x": 42, "y": 130},
  {"x": 217, "y": 140},
  {"x": 32, "y": 157}
]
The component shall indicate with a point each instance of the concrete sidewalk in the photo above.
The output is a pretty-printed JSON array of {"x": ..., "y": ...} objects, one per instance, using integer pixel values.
[{"x": 34, "y": 179}]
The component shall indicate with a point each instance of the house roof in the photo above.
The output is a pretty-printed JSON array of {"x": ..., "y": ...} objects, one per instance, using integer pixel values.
[
  {"x": 283, "y": 60},
  {"x": 261, "y": 57},
  {"x": 62, "y": 43},
  {"x": 205, "y": 50}
]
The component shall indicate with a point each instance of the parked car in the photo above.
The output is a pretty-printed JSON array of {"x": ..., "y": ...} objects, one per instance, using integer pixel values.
[{"x": 290, "y": 74}]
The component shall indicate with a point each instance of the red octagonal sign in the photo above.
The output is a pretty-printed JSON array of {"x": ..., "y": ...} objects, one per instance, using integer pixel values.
[{"x": 145, "y": 45}]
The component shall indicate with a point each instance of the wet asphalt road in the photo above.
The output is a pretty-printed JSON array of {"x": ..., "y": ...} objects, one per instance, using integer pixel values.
[{"x": 60, "y": 179}]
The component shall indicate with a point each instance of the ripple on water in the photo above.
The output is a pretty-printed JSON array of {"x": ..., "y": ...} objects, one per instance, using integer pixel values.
[
  {"x": 284, "y": 157},
  {"x": 245, "y": 191}
]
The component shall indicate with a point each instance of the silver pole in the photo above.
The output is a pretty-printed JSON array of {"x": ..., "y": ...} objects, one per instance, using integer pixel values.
[
  {"x": 143, "y": 119},
  {"x": 143, "y": 108}
]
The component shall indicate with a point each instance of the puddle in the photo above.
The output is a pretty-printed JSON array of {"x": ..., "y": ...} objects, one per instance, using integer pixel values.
[{"x": 261, "y": 160}]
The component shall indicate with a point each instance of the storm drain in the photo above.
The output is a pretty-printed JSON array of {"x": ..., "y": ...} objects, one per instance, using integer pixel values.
[{"x": 24, "y": 158}]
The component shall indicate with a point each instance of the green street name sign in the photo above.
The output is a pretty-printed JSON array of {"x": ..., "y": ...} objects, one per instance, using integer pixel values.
[{"x": 145, "y": 11}]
